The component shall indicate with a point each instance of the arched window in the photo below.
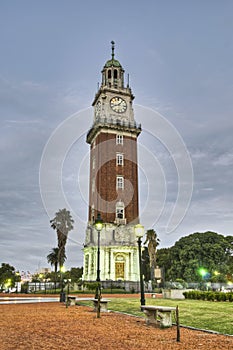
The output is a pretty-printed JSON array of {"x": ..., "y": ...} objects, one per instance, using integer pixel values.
[
  {"x": 115, "y": 74},
  {"x": 109, "y": 74}
]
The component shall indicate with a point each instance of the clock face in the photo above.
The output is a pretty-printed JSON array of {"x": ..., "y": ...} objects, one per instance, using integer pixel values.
[
  {"x": 98, "y": 108},
  {"x": 118, "y": 104}
]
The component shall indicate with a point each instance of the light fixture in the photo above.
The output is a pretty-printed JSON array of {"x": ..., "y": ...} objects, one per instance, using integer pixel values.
[{"x": 139, "y": 233}]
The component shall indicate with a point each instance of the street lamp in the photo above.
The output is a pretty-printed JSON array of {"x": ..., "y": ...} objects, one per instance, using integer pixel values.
[
  {"x": 98, "y": 226},
  {"x": 68, "y": 290},
  {"x": 139, "y": 232},
  {"x": 62, "y": 293}
]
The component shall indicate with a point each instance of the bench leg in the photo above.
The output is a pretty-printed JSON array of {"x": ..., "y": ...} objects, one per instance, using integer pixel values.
[
  {"x": 151, "y": 317},
  {"x": 71, "y": 302},
  {"x": 166, "y": 319},
  {"x": 103, "y": 306}
]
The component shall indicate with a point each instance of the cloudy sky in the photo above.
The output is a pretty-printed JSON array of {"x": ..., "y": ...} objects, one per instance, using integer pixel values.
[{"x": 179, "y": 57}]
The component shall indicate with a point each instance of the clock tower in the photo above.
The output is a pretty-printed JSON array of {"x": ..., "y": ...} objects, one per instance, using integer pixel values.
[{"x": 113, "y": 189}]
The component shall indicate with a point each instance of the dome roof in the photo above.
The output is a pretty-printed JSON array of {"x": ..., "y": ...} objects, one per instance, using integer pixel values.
[{"x": 112, "y": 63}]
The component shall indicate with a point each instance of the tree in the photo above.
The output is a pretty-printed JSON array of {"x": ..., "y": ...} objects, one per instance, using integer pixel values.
[
  {"x": 76, "y": 274},
  {"x": 146, "y": 271},
  {"x": 198, "y": 257},
  {"x": 163, "y": 259},
  {"x": 63, "y": 224},
  {"x": 53, "y": 258},
  {"x": 8, "y": 276},
  {"x": 153, "y": 242}
]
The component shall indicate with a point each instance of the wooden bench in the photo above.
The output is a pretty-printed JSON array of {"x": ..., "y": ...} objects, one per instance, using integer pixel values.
[{"x": 164, "y": 313}]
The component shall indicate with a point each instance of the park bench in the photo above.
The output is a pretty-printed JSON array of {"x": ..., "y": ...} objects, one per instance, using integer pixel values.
[
  {"x": 103, "y": 304},
  {"x": 163, "y": 313},
  {"x": 72, "y": 300}
]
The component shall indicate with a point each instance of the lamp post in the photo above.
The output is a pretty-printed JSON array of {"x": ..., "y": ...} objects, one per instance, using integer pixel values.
[
  {"x": 98, "y": 226},
  {"x": 68, "y": 290},
  {"x": 139, "y": 232},
  {"x": 62, "y": 293}
]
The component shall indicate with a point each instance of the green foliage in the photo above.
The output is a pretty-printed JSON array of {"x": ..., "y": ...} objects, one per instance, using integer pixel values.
[
  {"x": 209, "y": 296},
  {"x": 62, "y": 223},
  {"x": 53, "y": 258},
  {"x": 8, "y": 276},
  {"x": 91, "y": 285},
  {"x": 207, "y": 250},
  {"x": 76, "y": 274},
  {"x": 146, "y": 271}
]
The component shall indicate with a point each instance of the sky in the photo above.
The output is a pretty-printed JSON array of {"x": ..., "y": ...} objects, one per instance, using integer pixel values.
[{"x": 178, "y": 55}]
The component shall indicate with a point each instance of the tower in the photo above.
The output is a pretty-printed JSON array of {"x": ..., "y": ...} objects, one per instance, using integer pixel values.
[{"x": 113, "y": 187}]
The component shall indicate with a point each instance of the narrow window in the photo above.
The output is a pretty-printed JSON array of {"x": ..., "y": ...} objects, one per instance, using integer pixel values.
[
  {"x": 120, "y": 183},
  {"x": 120, "y": 210},
  {"x": 109, "y": 74},
  {"x": 119, "y": 139},
  {"x": 119, "y": 159},
  {"x": 115, "y": 74}
]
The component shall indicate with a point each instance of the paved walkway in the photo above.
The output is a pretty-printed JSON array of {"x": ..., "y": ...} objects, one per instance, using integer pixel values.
[{"x": 24, "y": 300}]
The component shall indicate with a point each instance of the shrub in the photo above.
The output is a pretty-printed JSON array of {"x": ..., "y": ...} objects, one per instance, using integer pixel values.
[{"x": 210, "y": 296}]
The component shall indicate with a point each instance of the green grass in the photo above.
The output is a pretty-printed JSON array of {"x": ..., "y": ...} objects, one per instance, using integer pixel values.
[{"x": 208, "y": 315}]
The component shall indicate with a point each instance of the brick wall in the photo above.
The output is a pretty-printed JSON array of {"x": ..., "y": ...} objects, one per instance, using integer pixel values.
[{"x": 105, "y": 194}]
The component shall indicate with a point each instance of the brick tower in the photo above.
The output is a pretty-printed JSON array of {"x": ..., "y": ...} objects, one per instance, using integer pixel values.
[{"x": 113, "y": 190}]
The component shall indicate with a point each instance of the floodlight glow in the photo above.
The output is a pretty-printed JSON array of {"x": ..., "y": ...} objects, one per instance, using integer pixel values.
[
  {"x": 63, "y": 269},
  {"x": 203, "y": 272}
]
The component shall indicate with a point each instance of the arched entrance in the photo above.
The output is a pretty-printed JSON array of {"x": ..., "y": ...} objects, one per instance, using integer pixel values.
[{"x": 119, "y": 267}]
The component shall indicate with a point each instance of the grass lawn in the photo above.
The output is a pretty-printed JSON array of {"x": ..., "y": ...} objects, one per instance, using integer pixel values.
[{"x": 209, "y": 315}]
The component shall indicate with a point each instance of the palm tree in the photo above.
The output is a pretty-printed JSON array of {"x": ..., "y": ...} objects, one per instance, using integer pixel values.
[
  {"x": 52, "y": 259},
  {"x": 153, "y": 242},
  {"x": 62, "y": 223}
]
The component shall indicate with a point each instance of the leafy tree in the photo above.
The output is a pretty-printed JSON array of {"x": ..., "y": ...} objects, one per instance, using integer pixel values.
[
  {"x": 146, "y": 271},
  {"x": 63, "y": 224},
  {"x": 76, "y": 274},
  {"x": 208, "y": 251},
  {"x": 8, "y": 276},
  {"x": 163, "y": 258},
  {"x": 53, "y": 258}
]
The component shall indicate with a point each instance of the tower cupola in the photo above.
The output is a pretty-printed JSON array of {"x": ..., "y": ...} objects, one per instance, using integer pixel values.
[{"x": 113, "y": 73}]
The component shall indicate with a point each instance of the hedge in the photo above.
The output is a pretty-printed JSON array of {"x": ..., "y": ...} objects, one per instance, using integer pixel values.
[{"x": 210, "y": 296}]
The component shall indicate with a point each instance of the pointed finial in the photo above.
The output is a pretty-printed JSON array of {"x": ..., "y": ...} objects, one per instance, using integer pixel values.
[{"x": 113, "y": 47}]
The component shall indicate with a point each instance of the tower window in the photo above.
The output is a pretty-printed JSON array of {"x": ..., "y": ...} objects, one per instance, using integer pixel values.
[
  {"x": 109, "y": 74},
  {"x": 115, "y": 74},
  {"x": 119, "y": 159},
  {"x": 120, "y": 210},
  {"x": 120, "y": 183},
  {"x": 119, "y": 139}
]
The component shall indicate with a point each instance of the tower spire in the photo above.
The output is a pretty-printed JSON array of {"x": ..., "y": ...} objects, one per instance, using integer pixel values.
[{"x": 113, "y": 47}]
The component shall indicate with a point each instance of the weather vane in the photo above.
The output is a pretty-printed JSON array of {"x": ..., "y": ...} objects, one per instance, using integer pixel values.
[{"x": 113, "y": 47}]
